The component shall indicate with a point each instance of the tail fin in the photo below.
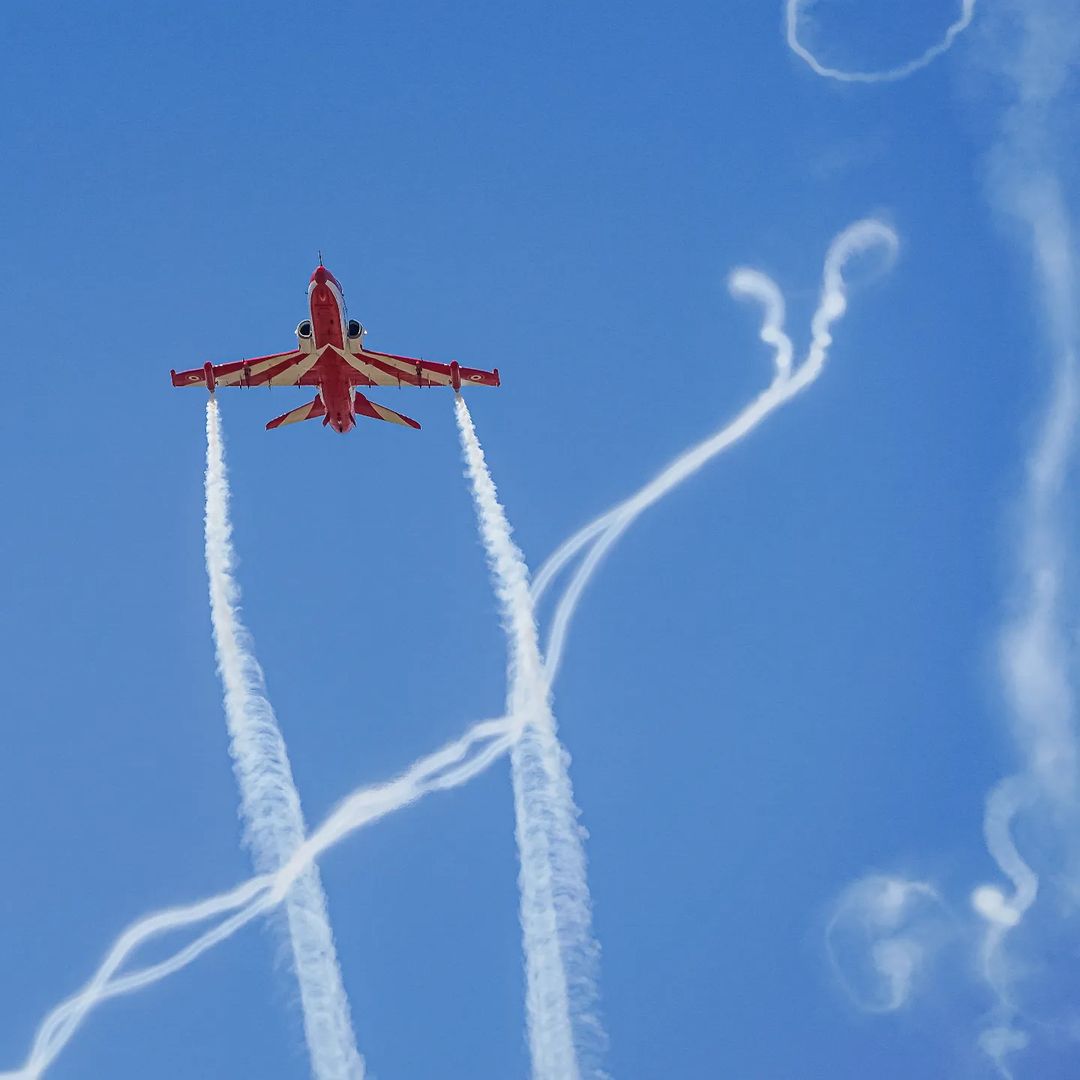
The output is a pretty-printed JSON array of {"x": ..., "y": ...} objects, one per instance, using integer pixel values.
[
  {"x": 312, "y": 411},
  {"x": 380, "y": 412}
]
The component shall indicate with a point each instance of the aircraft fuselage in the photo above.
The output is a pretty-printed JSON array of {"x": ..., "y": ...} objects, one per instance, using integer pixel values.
[{"x": 326, "y": 305}]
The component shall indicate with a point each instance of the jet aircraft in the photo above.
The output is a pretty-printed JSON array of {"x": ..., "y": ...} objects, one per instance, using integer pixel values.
[{"x": 330, "y": 355}]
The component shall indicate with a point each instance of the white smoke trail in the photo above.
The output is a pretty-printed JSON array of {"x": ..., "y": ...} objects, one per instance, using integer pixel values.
[
  {"x": 466, "y": 757},
  {"x": 795, "y": 12},
  {"x": 602, "y": 533},
  {"x": 451, "y": 766},
  {"x": 561, "y": 954},
  {"x": 565, "y": 1035},
  {"x": 270, "y": 805}
]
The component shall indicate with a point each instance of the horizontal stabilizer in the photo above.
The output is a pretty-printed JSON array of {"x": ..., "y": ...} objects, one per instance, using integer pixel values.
[
  {"x": 380, "y": 412},
  {"x": 312, "y": 411}
]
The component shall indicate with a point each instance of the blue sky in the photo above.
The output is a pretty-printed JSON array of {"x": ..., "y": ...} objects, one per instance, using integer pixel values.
[{"x": 783, "y": 677}]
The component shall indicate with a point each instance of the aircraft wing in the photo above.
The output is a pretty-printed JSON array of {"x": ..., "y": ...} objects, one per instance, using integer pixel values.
[
  {"x": 277, "y": 369},
  {"x": 386, "y": 369}
]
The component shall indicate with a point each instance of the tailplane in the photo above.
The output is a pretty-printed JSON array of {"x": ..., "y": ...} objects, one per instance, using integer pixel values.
[
  {"x": 380, "y": 412},
  {"x": 316, "y": 409},
  {"x": 312, "y": 411}
]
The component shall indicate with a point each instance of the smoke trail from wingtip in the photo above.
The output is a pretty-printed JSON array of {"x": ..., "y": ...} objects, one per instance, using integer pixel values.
[
  {"x": 270, "y": 805},
  {"x": 561, "y": 954},
  {"x": 565, "y": 1034},
  {"x": 793, "y": 13}
]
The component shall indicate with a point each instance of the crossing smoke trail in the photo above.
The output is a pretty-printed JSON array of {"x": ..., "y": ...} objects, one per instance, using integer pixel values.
[
  {"x": 795, "y": 13},
  {"x": 449, "y": 767},
  {"x": 484, "y": 743},
  {"x": 561, "y": 954},
  {"x": 270, "y": 805},
  {"x": 565, "y": 1035}
]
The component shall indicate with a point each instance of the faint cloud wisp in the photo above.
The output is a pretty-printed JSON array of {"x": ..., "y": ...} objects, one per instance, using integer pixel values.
[
  {"x": 881, "y": 936},
  {"x": 1037, "y": 44},
  {"x": 1036, "y": 649}
]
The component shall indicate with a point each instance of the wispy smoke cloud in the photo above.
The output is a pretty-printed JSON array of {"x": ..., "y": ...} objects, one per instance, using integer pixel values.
[
  {"x": 270, "y": 804},
  {"x": 796, "y": 14},
  {"x": 1037, "y": 648},
  {"x": 565, "y": 940},
  {"x": 1038, "y": 51},
  {"x": 882, "y": 934}
]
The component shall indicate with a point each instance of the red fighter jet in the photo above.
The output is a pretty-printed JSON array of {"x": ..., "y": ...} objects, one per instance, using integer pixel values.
[{"x": 331, "y": 356}]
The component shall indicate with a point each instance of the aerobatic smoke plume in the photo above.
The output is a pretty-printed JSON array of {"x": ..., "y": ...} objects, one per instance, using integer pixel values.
[
  {"x": 598, "y": 537},
  {"x": 558, "y": 934},
  {"x": 270, "y": 806},
  {"x": 565, "y": 1034},
  {"x": 796, "y": 13}
]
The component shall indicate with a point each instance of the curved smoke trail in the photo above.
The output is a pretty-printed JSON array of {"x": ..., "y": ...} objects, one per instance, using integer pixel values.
[
  {"x": 270, "y": 805},
  {"x": 788, "y": 381},
  {"x": 459, "y": 761},
  {"x": 793, "y": 14}
]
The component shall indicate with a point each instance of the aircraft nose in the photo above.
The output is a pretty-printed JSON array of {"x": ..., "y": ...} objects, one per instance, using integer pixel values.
[{"x": 321, "y": 275}]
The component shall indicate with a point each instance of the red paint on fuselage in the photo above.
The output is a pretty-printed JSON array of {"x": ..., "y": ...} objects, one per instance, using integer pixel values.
[{"x": 327, "y": 307}]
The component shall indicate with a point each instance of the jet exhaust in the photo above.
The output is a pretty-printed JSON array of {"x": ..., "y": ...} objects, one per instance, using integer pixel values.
[
  {"x": 270, "y": 804},
  {"x": 556, "y": 919}
]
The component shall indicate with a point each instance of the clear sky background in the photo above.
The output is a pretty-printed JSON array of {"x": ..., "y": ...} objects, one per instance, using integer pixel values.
[{"x": 781, "y": 679}]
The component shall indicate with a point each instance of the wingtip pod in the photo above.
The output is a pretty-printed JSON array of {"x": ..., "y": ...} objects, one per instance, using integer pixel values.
[
  {"x": 455, "y": 376},
  {"x": 208, "y": 371},
  {"x": 498, "y": 380}
]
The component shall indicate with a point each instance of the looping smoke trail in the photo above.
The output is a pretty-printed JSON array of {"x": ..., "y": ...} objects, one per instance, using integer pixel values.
[
  {"x": 602, "y": 533},
  {"x": 270, "y": 805},
  {"x": 795, "y": 9},
  {"x": 565, "y": 1034},
  {"x": 461, "y": 760},
  {"x": 880, "y": 938}
]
